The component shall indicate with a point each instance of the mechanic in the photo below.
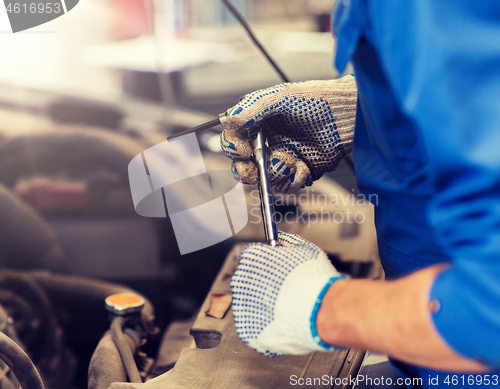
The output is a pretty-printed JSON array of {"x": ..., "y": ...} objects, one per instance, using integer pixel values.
[{"x": 422, "y": 116}]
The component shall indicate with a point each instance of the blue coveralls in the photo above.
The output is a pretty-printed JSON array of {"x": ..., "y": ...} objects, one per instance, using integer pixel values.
[{"x": 427, "y": 142}]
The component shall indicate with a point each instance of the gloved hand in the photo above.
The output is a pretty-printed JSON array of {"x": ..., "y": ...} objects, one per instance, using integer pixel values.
[
  {"x": 309, "y": 127},
  {"x": 277, "y": 292}
]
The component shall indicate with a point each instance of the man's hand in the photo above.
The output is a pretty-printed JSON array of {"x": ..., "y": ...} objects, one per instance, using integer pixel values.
[
  {"x": 393, "y": 318},
  {"x": 277, "y": 292},
  {"x": 309, "y": 127},
  {"x": 290, "y": 300}
]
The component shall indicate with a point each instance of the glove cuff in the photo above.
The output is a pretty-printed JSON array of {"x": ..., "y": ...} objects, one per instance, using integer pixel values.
[{"x": 315, "y": 311}]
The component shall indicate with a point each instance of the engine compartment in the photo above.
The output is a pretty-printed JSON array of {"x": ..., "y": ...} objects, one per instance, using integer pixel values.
[{"x": 71, "y": 238}]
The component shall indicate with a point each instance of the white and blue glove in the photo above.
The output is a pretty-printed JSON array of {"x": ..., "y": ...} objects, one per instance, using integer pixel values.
[
  {"x": 277, "y": 292},
  {"x": 309, "y": 127}
]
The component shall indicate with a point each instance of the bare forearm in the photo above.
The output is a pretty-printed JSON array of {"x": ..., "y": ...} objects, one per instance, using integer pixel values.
[{"x": 389, "y": 317}]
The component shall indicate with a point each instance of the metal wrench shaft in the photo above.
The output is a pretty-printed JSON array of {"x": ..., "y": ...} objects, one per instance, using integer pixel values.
[{"x": 260, "y": 150}]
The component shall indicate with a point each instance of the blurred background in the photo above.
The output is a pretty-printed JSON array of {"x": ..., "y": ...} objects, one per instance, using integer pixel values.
[
  {"x": 113, "y": 48},
  {"x": 81, "y": 96}
]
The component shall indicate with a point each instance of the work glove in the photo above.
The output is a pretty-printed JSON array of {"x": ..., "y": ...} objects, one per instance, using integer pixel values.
[
  {"x": 277, "y": 292},
  {"x": 309, "y": 127}
]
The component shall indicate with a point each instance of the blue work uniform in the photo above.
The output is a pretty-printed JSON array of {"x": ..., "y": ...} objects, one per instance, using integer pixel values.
[{"x": 427, "y": 143}]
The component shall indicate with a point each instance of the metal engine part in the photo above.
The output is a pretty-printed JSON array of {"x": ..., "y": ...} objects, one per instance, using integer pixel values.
[{"x": 217, "y": 358}]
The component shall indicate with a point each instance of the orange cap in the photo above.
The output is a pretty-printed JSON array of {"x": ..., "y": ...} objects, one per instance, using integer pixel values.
[{"x": 124, "y": 303}]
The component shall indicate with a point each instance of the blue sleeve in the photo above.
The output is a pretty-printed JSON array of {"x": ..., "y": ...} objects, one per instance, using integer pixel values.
[{"x": 443, "y": 60}]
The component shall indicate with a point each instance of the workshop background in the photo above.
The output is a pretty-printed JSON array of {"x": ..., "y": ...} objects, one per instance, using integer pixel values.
[{"x": 80, "y": 97}]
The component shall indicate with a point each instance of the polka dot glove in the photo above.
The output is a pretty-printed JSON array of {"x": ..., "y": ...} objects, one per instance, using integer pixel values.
[
  {"x": 309, "y": 126},
  {"x": 277, "y": 292}
]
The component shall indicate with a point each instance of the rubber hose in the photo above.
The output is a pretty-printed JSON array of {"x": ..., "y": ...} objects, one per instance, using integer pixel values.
[
  {"x": 20, "y": 364},
  {"x": 106, "y": 365},
  {"x": 19, "y": 308},
  {"x": 71, "y": 290},
  {"x": 7, "y": 328},
  {"x": 126, "y": 353},
  {"x": 23, "y": 284},
  {"x": 26, "y": 240},
  {"x": 78, "y": 150}
]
